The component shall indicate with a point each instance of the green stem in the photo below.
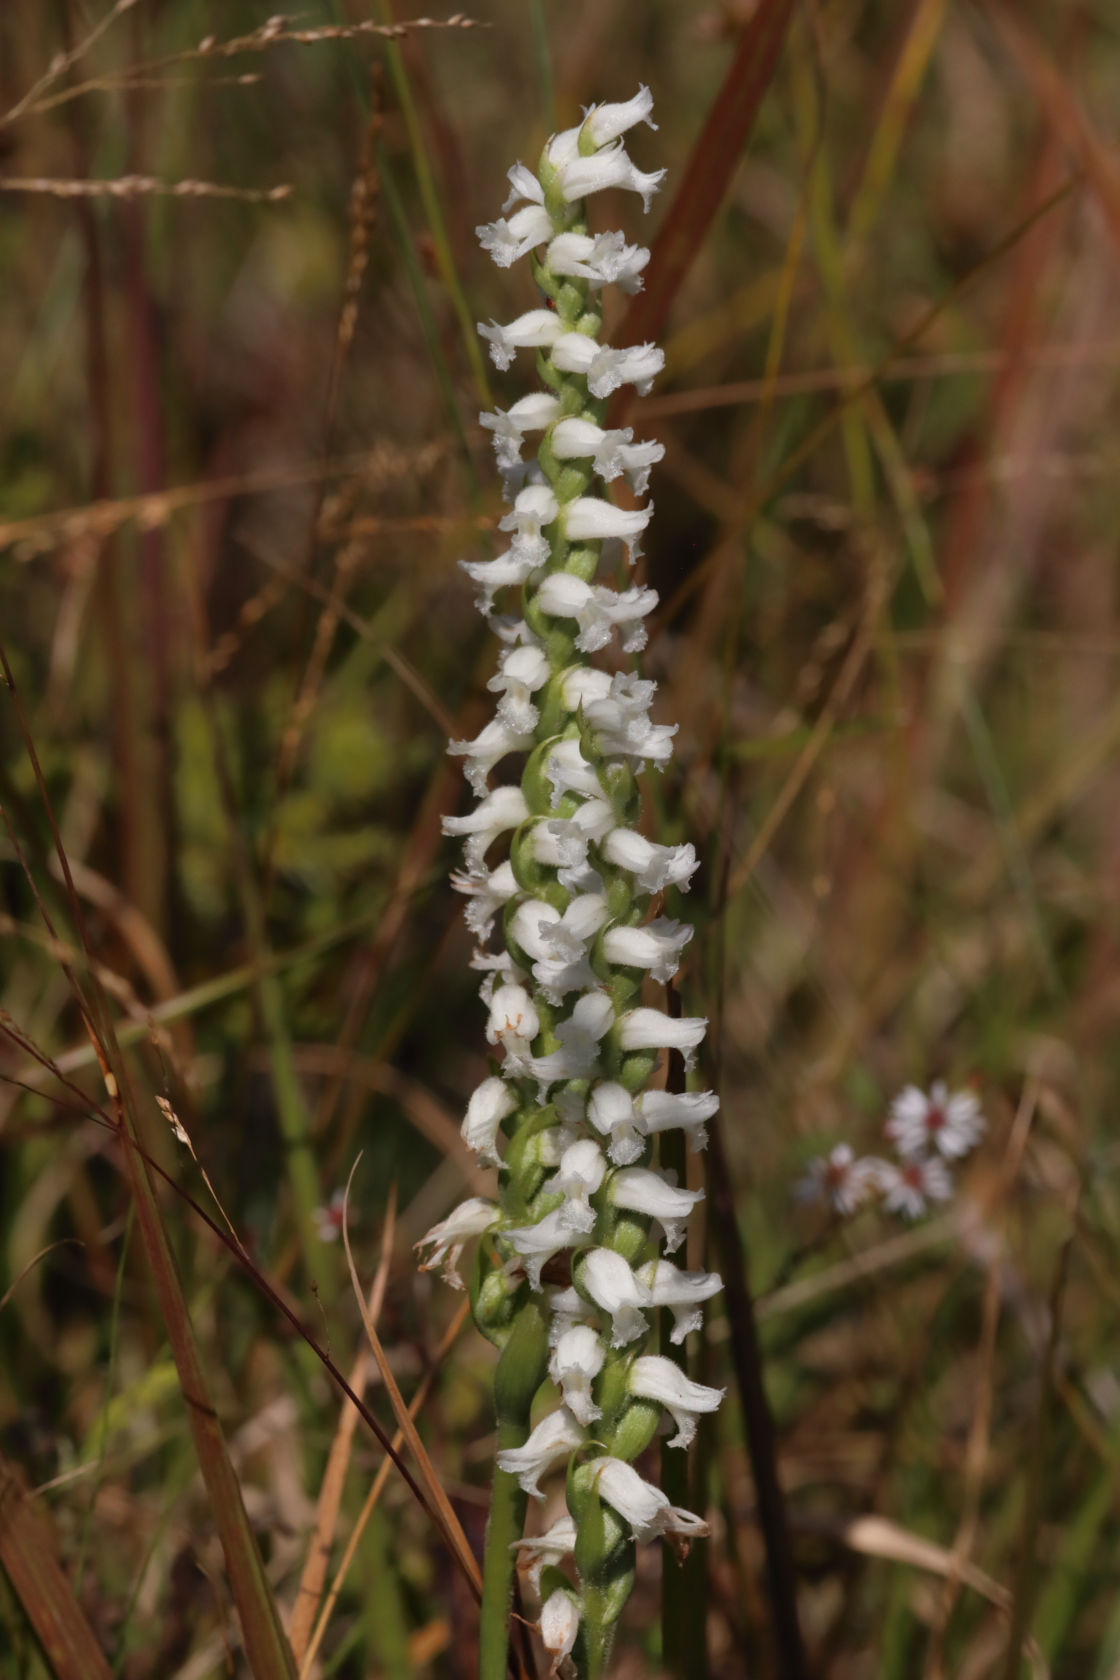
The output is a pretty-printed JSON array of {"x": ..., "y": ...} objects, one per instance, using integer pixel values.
[
  {"x": 521, "y": 1370},
  {"x": 507, "y": 1519}
]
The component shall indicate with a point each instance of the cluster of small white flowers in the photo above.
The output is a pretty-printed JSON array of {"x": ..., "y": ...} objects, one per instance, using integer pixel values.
[
  {"x": 584, "y": 1218},
  {"x": 930, "y": 1134}
]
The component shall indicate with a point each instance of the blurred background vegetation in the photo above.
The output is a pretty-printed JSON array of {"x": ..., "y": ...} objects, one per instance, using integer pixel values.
[{"x": 240, "y": 460}]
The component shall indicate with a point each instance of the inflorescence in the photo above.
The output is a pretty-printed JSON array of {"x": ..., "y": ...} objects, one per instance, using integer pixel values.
[{"x": 577, "y": 1242}]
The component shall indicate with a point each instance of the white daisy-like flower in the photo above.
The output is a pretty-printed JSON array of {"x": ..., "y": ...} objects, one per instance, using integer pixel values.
[
  {"x": 841, "y": 1180},
  {"x": 910, "y": 1187},
  {"x": 950, "y": 1124}
]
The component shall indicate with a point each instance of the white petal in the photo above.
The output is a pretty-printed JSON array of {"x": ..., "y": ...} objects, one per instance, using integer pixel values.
[
  {"x": 524, "y": 184},
  {"x": 538, "y": 328},
  {"x": 637, "y": 365},
  {"x": 556, "y": 1543},
  {"x": 663, "y": 1111},
  {"x": 559, "y": 1626},
  {"x": 490, "y": 1104},
  {"x": 610, "y": 1109},
  {"x": 507, "y": 241},
  {"x": 654, "y": 867},
  {"x": 656, "y": 947},
  {"x": 605, "y": 123},
  {"x": 680, "y": 1291},
  {"x": 611, "y": 167},
  {"x": 576, "y": 1361},
  {"x": 449, "y": 1237},
  {"x": 645, "y": 1507},
  {"x": 602, "y": 260},
  {"x": 644, "y": 1191},
  {"x": 574, "y": 352},
  {"x": 590, "y": 519},
  {"x": 580, "y": 1174},
  {"x": 502, "y": 809},
  {"x": 607, "y": 1278},
  {"x": 554, "y": 1438},
  {"x": 655, "y": 1378},
  {"x": 537, "y": 1243},
  {"x": 488, "y": 748},
  {"x": 651, "y": 1029},
  {"x": 514, "y": 1022}
]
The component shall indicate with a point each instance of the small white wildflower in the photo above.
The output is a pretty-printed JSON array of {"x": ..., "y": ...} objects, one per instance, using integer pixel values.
[
  {"x": 612, "y": 1285},
  {"x": 652, "y": 1029},
  {"x": 663, "y": 1111},
  {"x": 537, "y": 1243},
  {"x": 502, "y": 809},
  {"x": 951, "y": 1125},
  {"x": 492, "y": 1102},
  {"x": 508, "y": 427},
  {"x": 604, "y": 259},
  {"x": 533, "y": 330},
  {"x": 653, "y": 1377},
  {"x": 605, "y": 123},
  {"x": 590, "y": 519},
  {"x": 522, "y": 671},
  {"x": 448, "y": 1239},
  {"x": 579, "y": 1036},
  {"x": 514, "y": 1022},
  {"x": 507, "y": 241},
  {"x": 681, "y": 1291},
  {"x": 644, "y": 1191},
  {"x": 552, "y": 1546},
  {"x": 611, "y": 1110},
  {"x": 559, "y": 1626},
  {"x": 581, "y": 1172},
  {"x": 553, "y": 1439},
  {"x": 654, "y": 867},
  {"x": 328, "y": 1219},
  {"x": 489, "y": 747},
  {"x": 644, "y": 1507},
  {"x": 910, "y": 1187},
  {"x": 576, "y": 1361},
  {"x": 597, "y": 610},
  {"x": 839, "y": 1179},
  {"x": 610, "y": 167}
]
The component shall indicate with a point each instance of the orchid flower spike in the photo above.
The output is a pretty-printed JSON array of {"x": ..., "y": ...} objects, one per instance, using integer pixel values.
[{"x": 571, "y": 1264}]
